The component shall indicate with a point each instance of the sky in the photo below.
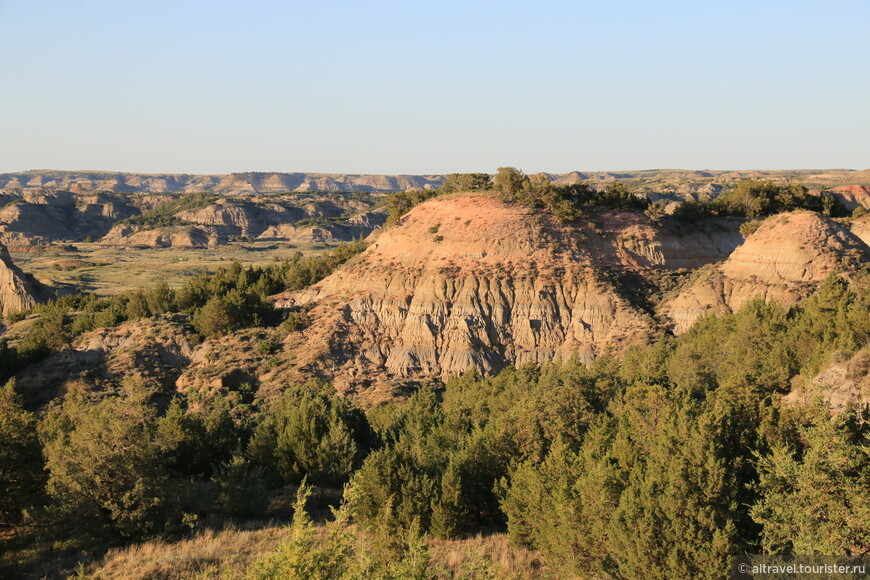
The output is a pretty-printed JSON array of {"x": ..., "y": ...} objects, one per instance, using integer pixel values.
[{"x": 412, "y": 87}]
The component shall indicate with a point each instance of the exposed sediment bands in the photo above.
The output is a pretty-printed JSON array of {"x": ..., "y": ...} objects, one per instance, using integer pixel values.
[
  {"x": 468, "y": 283},
  {"x": 438, "y": 324},
  {"x": 670, "y": 182},
  {"x": 37, "y": 216},
  {"x": 782, "y": 261}
]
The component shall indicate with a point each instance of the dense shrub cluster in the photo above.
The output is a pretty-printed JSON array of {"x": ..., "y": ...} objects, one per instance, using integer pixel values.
[
  {"x": 750, "y": 199},
  {"x": 21, "y": 463},
  {"x": 758, "y": 199},
  {"x": 462, "y": 182},
  {"x": 311, "y": 433},
  {"x": 754, "y": 199},
  {"x": 660, "y": 464},
  {"x": 343, "y": 551},
  {"x": 117, "y": 465},
  {"x": 564, "y": 201},
  {"x": 300, "y": 271}
]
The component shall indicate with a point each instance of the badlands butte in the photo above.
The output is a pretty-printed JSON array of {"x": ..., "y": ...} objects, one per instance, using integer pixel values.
[{"x": 462, "y": 280}]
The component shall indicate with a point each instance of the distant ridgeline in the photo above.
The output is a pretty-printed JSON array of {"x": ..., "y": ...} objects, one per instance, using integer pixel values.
[
  {"x": 195, "y": 211},
  {"x": 679, "y": 181},
  {"x": 233, "y": 183}
]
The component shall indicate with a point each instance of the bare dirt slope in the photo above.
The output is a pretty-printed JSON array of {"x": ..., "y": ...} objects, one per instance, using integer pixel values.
[
  {"x": 861, "y": 228},
  {"x": 853, "y": 196}
]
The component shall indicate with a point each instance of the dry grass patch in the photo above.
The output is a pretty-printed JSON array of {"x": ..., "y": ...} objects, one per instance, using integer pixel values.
[
  {"x": 229, "y": 554},
  {"x": 485, "y": 556},
  {"x": 224, "y": 553},
  {"x": 111, "y": 270}
]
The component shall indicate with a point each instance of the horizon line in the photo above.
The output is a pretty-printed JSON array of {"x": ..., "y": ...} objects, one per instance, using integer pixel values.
[{"x": 423, "y": 174}]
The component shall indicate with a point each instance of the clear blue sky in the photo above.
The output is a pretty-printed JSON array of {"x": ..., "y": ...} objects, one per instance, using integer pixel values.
[{"x": 430, "y": 87}]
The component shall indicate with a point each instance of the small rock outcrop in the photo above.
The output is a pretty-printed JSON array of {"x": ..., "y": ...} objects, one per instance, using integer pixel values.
[
  {"x": 165, "y": 237},
  {"x": 861, "y": 228},
  {"x": 783, "y": 261},
  {"x": 156, "y": 349},
  {"x": 852, "y": 196},
  {"x": 844, "y": 381},
  {"x": 18, "y": 291}
]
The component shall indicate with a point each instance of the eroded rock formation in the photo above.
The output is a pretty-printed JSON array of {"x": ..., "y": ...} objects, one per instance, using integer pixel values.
[
  {"x": 783, "y": 260},
  {"x": 844, "y": 381},
  {"x": 463, "y": 283}
]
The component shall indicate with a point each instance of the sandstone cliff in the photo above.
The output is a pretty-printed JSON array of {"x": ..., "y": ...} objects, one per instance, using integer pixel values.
[{"x": 783, "y": 261}]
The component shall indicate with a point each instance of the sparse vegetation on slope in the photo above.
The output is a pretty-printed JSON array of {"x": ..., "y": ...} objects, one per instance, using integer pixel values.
[{"x": 538, "y": 191}]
